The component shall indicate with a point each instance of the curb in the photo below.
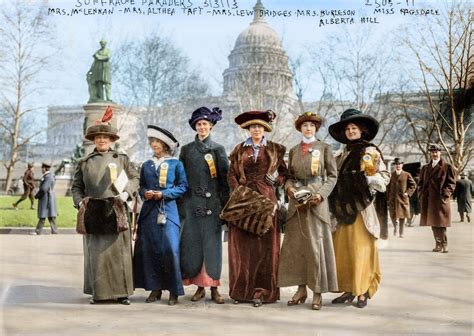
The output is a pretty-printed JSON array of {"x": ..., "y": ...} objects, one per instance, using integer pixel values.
[{"x": 31, "y": 230}]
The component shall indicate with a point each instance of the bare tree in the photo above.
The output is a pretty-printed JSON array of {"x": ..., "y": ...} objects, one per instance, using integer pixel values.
[
  {"x": 443, "y": 52},
  {"x": 26, "y": 50},
  {"x": 152, "y": 76},
  {"x": 356, "y": 71}
]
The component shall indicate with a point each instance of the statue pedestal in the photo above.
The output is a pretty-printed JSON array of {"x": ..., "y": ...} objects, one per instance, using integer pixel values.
[{"x": 94, "y": 112}]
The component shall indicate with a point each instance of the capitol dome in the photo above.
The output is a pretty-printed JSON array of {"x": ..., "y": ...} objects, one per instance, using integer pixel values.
[
  {"x": 258, "y": 34},
  {"x": 258, "y": 56}
]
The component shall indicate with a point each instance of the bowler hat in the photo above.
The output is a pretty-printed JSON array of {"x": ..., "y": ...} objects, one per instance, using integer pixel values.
[
  {"x": 397, "y": 161},
  {"x": 308, "y": 116},
  {"x": 263, "y": 118},
  {"x": 101, "y": 129},
  {"x": 204, "y": 113},
  {"x": 338, "y": 129}
]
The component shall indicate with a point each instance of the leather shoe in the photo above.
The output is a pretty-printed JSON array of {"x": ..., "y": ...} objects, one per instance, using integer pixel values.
[
  {"x": 299, "y": 297},
  {"x": 172, "y": 300},
  {"x": 257, "y": 303},
  {"x": 317, "y": 301},
  {"x": 346, "y": 297},
  {"x": 154, "y": 296},
  {"x": 438, "y": 248},
  {"x": 200, "y": 293},
  {"x": 216, "y": 296},
  {"x": 445, "y": 249},
  {"x": 362, "y": 303},
  {"x": 124, "y": 300}
]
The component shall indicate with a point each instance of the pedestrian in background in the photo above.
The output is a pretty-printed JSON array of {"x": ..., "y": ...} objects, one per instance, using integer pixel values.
[
  {"x": 28, "y": 187},
  {"x": 435, "y": 187},
  {"x": 401, "y": 187},
  {"x": 46, "y": 201},
  {"x": 307, "y": 253},
  {"x": 206, "y": 166},
  {"x": 156, "y": 261},
  {"x": 463, "y": 197}
]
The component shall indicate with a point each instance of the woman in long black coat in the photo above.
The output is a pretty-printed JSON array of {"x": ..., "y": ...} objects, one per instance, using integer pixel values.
[{"x": 206, "y": 165}]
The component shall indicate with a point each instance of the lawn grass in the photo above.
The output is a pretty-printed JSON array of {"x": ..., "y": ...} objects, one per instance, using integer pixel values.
[{"x": 25, "y": 217}]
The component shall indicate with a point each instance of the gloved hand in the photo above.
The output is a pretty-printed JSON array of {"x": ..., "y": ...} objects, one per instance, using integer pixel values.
[
  {"x": 270, "y": 179},
  {"x": 375, "y": 182},
  {"x": 123, "y": 196}
]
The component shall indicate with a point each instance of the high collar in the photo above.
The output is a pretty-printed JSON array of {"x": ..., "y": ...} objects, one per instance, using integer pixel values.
[
  {"x": 308, "y": 140},
  {"x": 249, "y": 142},
  {"x": 203, "y": 146}
]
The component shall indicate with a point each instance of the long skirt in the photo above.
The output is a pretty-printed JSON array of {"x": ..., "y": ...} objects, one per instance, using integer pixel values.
[
  {"x": 156, "y": 259},
  {"x": 108, "y": 265},
  {"x": 253, "y": 265},
  {"x": 307, "y": 255},
  {"x": 357, "y": 259}
]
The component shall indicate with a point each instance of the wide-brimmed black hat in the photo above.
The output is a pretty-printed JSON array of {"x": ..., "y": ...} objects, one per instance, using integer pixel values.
[
  {"x": 263, "y": 118},
  {"x": 204, "y": 113},
  {"x": 308, "y": 116},
  {"x": 338, "y": 130},
  {"x": 45, "y": 165},
  {"x": 101, "y": 129},
  {"x": 164, "y": 135}
]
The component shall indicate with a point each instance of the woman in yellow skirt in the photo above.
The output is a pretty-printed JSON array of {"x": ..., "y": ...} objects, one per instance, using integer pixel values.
[{"x": 362, "y": 173}]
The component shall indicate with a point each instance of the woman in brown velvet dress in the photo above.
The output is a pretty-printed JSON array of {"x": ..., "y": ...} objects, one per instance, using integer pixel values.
[{"x": 258, "y": 164}]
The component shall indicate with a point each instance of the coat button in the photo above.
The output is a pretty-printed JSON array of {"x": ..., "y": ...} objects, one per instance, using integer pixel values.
[
  {"x": 208, "y": 194},
  {"x": 208, "y": 212}
]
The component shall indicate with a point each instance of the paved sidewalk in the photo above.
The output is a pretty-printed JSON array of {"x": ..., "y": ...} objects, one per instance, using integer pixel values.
[{"x": 422, "y": 293}]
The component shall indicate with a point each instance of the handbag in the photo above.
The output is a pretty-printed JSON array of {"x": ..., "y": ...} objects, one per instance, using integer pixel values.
[
  {"x": 161, "y": 218},
  {"x": 249, "y": 211}
]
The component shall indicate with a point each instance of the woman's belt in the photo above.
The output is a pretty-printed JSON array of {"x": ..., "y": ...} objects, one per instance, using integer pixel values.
[{"x": 314, "y": 179}]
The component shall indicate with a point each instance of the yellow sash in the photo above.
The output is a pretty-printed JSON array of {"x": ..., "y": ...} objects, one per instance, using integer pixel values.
[
  {"x": 212, "y": 167},
  {"x": 113, "y": 172},
  {"x": 163, "y": 174},
  {"x": 367, "y": 163},
  {"x": 315, "y": 154}
]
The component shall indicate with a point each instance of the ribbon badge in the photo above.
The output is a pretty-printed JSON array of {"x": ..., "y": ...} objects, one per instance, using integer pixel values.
[
  {"x": 212, "y": 167},
  {"x": 367, "y": 165},
  {"x": 315, "y": 155},
  {"x": 113, "y": 172},
  {"x": 163, "y": 174}
]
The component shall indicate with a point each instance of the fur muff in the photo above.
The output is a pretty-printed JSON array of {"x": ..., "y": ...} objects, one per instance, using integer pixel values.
[
  {"x": 249, "y": 211},
  {"x": 102, "y": 216},
  {"x": 350, "y": 196}
]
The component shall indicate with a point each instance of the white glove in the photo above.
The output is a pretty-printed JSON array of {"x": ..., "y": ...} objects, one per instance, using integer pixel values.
[
  {"x": 123, "y": 196},
  {"x": 376, "y": 182}
]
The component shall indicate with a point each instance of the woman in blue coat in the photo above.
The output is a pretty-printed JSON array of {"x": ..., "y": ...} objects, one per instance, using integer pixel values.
[{"x": 156, "y": 265}]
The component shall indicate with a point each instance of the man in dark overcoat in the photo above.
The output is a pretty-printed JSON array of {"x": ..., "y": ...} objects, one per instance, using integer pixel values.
[
  {"x": 401, "y": 187},
  {"x": 435, "y": 187},
  {"x": 463, "y": 194},
  {"x": 28, "y": 187},
  {"x": 46, "y": 201}
]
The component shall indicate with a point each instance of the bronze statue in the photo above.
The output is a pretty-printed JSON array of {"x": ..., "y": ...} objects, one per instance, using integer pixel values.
[{"x": 98, "y": 76}]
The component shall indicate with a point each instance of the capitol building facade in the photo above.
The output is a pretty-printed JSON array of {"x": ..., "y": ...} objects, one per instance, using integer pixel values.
[{"x": 258, "y": 77}]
